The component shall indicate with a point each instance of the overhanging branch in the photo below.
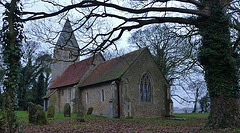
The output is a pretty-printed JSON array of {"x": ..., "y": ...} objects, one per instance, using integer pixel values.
[{"x": 89, "y": 3}]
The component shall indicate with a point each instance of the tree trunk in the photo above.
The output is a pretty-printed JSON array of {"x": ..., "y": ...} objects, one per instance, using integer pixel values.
[
  {"x": 10, "y": 88},
  {"x": 11, "y": 55},
  {"x": 196, "y": 100},
  {"x": 224, "y": 112},
  {"x": 220, "y": 68}
]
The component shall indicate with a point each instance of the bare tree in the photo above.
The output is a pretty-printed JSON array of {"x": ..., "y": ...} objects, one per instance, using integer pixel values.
[
  {"x": 175, "y": 55},
  {"x": 113, "y": 53},
  {"x": 217, "y": 54},
  {"x": 198, "y": 89}
]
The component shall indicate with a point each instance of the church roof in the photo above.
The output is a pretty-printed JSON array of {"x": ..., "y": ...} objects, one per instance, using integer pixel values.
[
  {"x": 111, "y": 69},
  {"x": 67, "y": 38},
  {"x": 73, "y": 73},
  {"x": 105, "y": 71},
  {"x": 50, "y": 93}
]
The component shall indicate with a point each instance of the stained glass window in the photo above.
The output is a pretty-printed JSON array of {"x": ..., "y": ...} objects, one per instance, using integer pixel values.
[{"x": 145, "y": 88}]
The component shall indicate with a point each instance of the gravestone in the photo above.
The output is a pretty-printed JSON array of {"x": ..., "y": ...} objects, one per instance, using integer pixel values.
[
  {"x": 41, "y": 118},
  {"x": 90, "y": 110},
  {"x": 67, "y": 110},
  {"x": 51, "y": 112}
]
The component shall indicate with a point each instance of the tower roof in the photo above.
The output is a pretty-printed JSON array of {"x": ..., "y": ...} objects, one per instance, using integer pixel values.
[{"x": 67, "y": 38}]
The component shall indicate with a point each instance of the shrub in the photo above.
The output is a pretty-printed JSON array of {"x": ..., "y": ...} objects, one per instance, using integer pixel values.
[
  {"x": 39, "y": 107},
  {"x": 67, "y": 110},
  {"x": 32, "y": 113},
  {"x": 41, "y": 118},
  {"x": 51, "y": 111}
]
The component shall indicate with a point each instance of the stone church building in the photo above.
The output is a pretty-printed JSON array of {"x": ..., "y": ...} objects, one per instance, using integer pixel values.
[{"x": 127, "y": 86}]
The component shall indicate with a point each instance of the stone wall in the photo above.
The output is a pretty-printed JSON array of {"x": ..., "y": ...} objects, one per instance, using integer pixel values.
[
  {"x": 61, "y": 97},
  {"x": 67, "y": 95},
  {"x": 92, "y": 97},
  {"x": 53, "y": 100},
  {"x": 131, "y": 105},
  {"x": 61, "y": 62}
]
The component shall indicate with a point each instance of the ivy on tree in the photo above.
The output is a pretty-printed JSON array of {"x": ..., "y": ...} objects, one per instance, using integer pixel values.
[{"x": 11, "y": 39}]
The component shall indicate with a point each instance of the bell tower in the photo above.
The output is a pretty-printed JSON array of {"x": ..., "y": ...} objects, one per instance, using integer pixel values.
[{"x": 65, "y": 51}]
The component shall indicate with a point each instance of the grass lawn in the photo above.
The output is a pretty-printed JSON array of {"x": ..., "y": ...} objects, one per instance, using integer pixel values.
[{"x": 193, "y": 123}]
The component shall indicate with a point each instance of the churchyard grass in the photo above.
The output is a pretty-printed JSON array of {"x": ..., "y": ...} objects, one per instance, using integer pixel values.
[
  {"x": 22, "y": 116},
  {"x": 193, "y": 123}
]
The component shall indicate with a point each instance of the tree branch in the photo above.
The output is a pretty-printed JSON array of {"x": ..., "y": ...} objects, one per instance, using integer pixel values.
[
  {"x": 197, "y": 3},
  {"x": 2, "y": 3},
  {"x": 84, "y": 4},
  {"x": 182, "y": 98}
]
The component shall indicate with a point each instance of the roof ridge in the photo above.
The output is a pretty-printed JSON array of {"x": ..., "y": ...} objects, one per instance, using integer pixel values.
[
  {"x": 127, "y": 54},
  {"x": 121, "y": 56},
  {"x": 98, "y": 54},
  {"x": 142, "y": 49},
  {"x": 112, "y": 64}
]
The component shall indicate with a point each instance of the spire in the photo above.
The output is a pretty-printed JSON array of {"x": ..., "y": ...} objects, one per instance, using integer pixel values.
[{"x": 67, "y": 38}]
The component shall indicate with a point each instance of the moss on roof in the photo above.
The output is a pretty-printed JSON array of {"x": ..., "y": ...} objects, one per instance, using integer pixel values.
[
  {"x": 111, "y": 69},
  {"x": 49, "y": 94}
]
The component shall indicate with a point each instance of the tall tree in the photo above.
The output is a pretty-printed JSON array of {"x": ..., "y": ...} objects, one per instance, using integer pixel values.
[
  {"x": 198, "y": 89},
  {"x": 2, "y": 73},
  {"x": 213, "y": 19},
  {"x": 219, "y": 65},
  {"x": 11, "y": 38},
  {"x": 40, "y": 90},
  {"x": 174, "y": 54},
  {"x": 1, "y": 98},
  {"x": 32, "y": 65},
  {"x": 44, "y": 61},
  {"x": 204, "y": 103}
]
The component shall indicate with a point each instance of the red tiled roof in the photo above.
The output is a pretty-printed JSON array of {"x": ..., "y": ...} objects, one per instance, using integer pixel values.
[
  {"x": 73, "y": 74},
  {"x": 112, "y": 69}
]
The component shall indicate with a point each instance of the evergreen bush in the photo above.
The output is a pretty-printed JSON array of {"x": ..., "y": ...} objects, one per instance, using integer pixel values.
[
  {"x": 2, "y": 121},
  {"x": 67, "y": 110},
  {"x": 32, "y": 113},
  {"x": 51, "y": 111}
]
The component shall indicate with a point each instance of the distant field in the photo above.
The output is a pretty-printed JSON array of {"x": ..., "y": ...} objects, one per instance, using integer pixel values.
[
  {"x": 193, "y": 123},
  {"x": 192, "y": 115}
]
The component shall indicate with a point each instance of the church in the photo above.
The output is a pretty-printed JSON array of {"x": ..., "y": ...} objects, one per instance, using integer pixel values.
[{"x": 127, "y": 86}]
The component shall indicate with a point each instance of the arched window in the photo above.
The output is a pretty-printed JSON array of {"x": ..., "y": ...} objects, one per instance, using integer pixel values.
[
  {"x": 87, "y": 98},
  {"x": 102, "y": 97},
  {"x": 146, "y": 88},
  {"x": 69, "y": 95}
]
